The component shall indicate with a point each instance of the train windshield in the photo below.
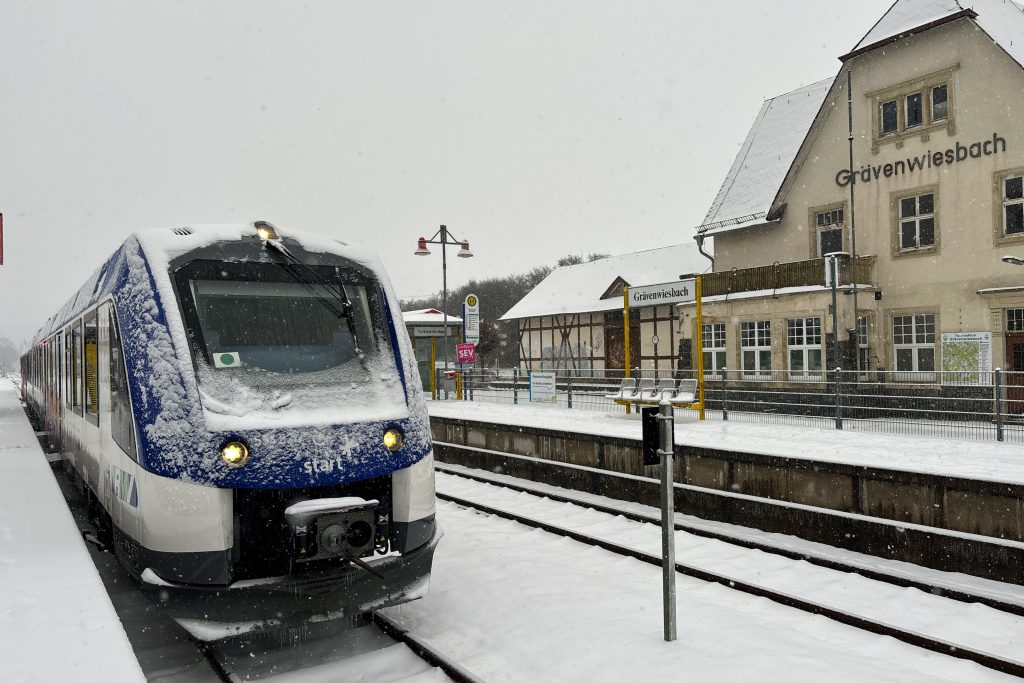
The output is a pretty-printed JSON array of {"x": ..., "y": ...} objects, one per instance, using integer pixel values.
[
  {"x": 281, "y": 327},
  {"x": 266, "y": 341}
]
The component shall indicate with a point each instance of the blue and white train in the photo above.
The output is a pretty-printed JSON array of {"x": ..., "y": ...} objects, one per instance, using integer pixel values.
[{"x": 242, "y": 408}]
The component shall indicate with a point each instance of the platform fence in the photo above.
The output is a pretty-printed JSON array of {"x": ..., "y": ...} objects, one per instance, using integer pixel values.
[{"x": 964, "y": 405}]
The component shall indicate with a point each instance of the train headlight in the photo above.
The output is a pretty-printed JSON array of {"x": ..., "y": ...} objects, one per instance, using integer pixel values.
[
  {"x": 393, "y": 439},
  {"x": 234, "y": 453},
  {"x": 265, "y": 230}
]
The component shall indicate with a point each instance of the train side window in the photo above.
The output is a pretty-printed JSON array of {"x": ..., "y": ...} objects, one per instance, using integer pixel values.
[
  {"x": 58, "y": 367},
  {"x": 76, "y": 367},
  {"x": 90, "y": 367},
  {"x": 68, "y": 371},
  {"x": 122, "y": 426}
]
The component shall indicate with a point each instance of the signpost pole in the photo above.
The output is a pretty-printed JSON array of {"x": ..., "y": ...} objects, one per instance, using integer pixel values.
[
  {"x": 700, "y": 346},
  {"x": 433, "y": 368},
  {"x": 625, "y": 334},
  {"x": 668, "y": 527}
]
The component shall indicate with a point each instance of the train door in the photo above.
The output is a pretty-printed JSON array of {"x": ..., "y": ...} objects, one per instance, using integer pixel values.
[
  {"x": 90, "y": 399},
  {"x": 117, "y": 432},
  {"x": 50, "y": 401},
  {"x": 58, "y": 388}
]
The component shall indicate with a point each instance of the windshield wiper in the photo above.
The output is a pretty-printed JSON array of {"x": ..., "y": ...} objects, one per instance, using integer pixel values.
[{"x": 338, "y": 297}]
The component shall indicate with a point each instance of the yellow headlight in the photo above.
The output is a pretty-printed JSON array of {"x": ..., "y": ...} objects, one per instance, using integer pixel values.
[
  {"x": 393, "y": 439},
  {"x": 234, "y": 453},
  {"x": 265, "y": 230}
]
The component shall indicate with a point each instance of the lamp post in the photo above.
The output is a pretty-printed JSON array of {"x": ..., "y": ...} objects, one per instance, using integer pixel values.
[
  {"x": 444, "y": 238},
  {"x": 1013, "y": 260},
  {"x": 833, "y": 277}
]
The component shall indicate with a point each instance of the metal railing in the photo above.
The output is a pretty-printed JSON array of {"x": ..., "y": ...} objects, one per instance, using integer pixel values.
[
  {"x": 963, "y": 405},
  {"x": 781, "y": 275}
]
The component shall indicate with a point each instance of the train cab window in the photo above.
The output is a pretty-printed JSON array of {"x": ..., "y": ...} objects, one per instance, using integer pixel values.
[
  {"x": 122, "y": 426},
  {"x": 90, "y": 367},
  {"x": 76, "y": 367},
  {"x": 277, "y": 326},
  {"x": 311, "y": 335}
]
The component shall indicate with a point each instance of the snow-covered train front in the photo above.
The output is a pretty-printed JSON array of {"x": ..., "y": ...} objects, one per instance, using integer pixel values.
[{"x": 243, "y": 408}]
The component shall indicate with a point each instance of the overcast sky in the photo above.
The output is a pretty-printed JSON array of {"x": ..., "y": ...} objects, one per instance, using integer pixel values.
[{"x": 532, "y": 129}]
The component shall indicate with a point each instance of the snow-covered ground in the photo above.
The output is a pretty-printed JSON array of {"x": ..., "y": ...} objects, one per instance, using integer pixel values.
[
  {"x": 512, "y": 603},
  {"x": 507, "y": 602},
  {"x": 974, "y": 626},
  {"x": 984, "y": 460},
  {"x": 56, "y": 620}
]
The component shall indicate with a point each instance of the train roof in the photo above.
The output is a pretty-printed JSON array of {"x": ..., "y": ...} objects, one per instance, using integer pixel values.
[{"x": 159, "y": 246}]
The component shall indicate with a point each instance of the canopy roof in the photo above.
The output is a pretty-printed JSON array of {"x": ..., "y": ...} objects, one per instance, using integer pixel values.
[{"x": 586, "y": 287}]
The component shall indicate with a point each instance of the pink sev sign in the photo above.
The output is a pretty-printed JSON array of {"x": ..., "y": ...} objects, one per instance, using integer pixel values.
[{"x": 465, "y": 353}]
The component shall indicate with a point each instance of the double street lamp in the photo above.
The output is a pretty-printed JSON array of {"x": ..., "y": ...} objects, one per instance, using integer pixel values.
[{"x": 444, "y": 238}]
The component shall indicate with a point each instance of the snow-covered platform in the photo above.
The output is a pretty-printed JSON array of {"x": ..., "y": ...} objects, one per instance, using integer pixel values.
[
  {"x": 56, "y": 620},
  {"x": 950, "y": 504}
]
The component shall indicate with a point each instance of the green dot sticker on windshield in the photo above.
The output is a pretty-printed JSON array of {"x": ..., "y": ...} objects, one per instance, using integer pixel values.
[{"x": 226, "y": 359}]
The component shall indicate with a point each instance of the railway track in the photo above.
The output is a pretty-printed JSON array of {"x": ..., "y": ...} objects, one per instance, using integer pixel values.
[
  {"x": 230, "y": 659},
  {"x": 170, "y": 652},
  {"x": 906, "y": 635},
  {"x": 811, "y": 558}
]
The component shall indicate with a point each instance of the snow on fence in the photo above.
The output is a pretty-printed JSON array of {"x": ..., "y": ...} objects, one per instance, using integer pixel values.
[{"x": 965, "y": 405}]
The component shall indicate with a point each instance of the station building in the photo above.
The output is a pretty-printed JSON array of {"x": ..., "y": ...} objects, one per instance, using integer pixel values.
[
  {"x": 573, "y": 321},
  {"x": 933, "y": 199},
  {"x": 426, "y": 328}
]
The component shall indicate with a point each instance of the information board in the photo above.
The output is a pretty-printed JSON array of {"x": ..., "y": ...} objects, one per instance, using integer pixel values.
[
  {"x": 542, "y": 387},
  {"x": 966, "y": 357},
  {"x": 471, "y": 319}
]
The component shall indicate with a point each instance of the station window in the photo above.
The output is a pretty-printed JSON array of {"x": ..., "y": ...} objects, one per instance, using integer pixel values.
[
  {"x": 917, "y": 222},
  {"x": 803, "y": 345},
  {"x": 915, "y": 112},
  {"x": 913, "y": 108},
  {"x": 914, "y": 346},
  {"x": 940, "y": 102},
  {"x": 890, "y": 117},
  {"x": 713, "y": 340},
  {"x": 830, "y": 231},
  {"x": 1015, "y": 320},
  {"x": 756, "y": 348},
  {"x": 1013, "y": 205},
  {"x": 863, "y": 343}
]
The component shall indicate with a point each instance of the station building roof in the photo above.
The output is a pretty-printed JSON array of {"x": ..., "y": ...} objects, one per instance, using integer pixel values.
[
  {"x": 428, "y": 316},
  {"x": 589, "y": 287},
  {"x": 761, "y": 164},
  {"x": 753, "y": 187}
]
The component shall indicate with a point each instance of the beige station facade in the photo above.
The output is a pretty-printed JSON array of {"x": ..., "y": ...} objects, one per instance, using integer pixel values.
[
  {"x": 934, "y": 196},
  {"x": 931, "y": 203}
]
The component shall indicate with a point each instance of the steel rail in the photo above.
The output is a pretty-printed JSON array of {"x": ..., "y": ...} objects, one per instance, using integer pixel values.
[
  {"x": 810, "y": 558},
  {"x": 388, "y": 626},
  {"x": 910, "y": 637},
  {"x": 434, "y": 657}
]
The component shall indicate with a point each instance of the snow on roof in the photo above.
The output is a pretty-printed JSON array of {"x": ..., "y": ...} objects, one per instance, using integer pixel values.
[
  {"x": 578, "y": 288},
  {"x": 429, "y": 316},
  {"x": 763, "y": 160},
  {"x": 1003, "y": 20},
  {"x": 783, "y": 123},
  {"x": 903, "y": 17}
]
